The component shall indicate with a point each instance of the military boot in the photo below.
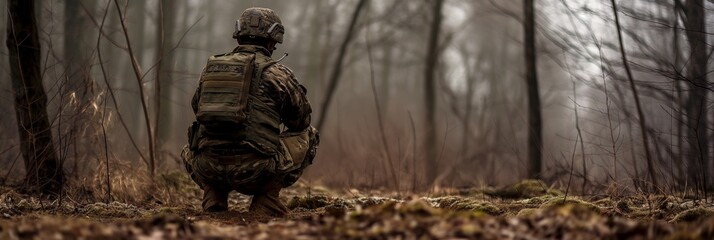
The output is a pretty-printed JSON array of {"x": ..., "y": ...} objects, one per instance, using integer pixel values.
[
  {"x": 268, "y": 203},
  {"x": 215, "y": 200}
]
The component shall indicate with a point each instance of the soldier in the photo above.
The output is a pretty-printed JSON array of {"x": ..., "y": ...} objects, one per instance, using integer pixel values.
[{"x": 243, "y": 98}]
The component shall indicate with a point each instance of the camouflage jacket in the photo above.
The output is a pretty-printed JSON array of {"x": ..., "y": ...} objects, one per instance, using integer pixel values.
[{"x": 280, "y": 91}]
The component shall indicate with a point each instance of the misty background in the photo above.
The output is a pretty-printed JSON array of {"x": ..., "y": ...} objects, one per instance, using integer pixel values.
[{"x": 374, "y": 131}]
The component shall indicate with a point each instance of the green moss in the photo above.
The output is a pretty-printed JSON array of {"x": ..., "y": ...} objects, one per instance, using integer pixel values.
[
  {"x": 692, "y": 215},
  {"x": 465, "y": 204},
  {"x": 113, "y": 209},
  {"x": 539, "y": 200},
  {"x": 524, "y": 189},
  {"x": 308, "y": 202},
  {"x": 605, "y": 202},
  {"x": 372, "y": 201}
]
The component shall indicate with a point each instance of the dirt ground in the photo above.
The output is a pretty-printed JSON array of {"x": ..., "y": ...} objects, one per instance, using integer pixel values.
[{"x": 528, "y": 210}]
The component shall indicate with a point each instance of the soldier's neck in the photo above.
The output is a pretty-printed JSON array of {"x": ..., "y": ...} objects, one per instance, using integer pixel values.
[{"x": 253, "y": 48}]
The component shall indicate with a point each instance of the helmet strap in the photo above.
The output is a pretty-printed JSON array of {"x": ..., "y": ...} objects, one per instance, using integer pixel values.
[
  {"x": 237, "y": 29},
  {"x": 272, "y": 27}
]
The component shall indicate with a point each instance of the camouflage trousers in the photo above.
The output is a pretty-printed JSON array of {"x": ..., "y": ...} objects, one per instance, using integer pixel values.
[{"x": 218, "y": 173}]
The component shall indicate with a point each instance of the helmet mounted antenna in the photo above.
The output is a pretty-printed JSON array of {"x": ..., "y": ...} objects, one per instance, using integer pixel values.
[{"x": 281, "y": 58}]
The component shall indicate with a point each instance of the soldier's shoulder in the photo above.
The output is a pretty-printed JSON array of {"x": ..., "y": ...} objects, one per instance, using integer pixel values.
[
  {"x": 232, "y": 56},
  {"x": 281, "y": 68},
  {"x": 279, "y": 71}
]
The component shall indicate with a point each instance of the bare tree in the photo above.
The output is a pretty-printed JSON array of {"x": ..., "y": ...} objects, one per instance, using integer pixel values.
[
  {"x": 163, "y": 126},
  {"x": 430, "y": 67},
  {"x": 696, "y": 105},
  {"x": 337, "y": 69},
  {"x": 535, "y": 122},
  {"x": 43, "y": 170},
  {"x": 636, "y": 96}
]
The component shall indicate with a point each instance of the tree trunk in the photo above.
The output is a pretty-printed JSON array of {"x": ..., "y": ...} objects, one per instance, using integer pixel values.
[
  {"x": 535, "y": 122},
  {"x": 337, "y": 69},
  {"x": 679, "y": 104},
  {"x": 77, "y": 58},
  {"x": 164, "y": 88},
  {"x": 430, "y": 67},
  {"x": 44, "y": 172},
  {"x": 3, "y": 15},
  {"x": 696, "y": 105}
]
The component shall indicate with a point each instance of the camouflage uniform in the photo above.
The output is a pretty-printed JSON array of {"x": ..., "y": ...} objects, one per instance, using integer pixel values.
[{"x": 236, "y": 143}]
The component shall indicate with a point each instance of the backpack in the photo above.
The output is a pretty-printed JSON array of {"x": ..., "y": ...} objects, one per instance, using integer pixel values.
[{"x": 225, "y": 88}]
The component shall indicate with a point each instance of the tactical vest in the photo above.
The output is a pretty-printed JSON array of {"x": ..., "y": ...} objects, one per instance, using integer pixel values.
[{"x": 229, "y": 112}]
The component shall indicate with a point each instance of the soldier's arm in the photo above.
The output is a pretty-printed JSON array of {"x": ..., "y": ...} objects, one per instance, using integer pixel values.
[
  {"x": 194, "y": 100},
  {"x": 295, "y": 109}
]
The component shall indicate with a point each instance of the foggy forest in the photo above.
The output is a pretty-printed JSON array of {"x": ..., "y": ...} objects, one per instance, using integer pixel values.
[{"x": 458, "y": 119}]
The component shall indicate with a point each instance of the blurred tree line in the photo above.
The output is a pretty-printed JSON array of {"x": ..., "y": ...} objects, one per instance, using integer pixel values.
[{"x": 407, "y": 94}]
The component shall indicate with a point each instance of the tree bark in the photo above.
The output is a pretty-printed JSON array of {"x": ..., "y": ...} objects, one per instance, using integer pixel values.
[
  {"x": 43, "y": 170},
  {"x": 535, "y": 122},
  {"x": 337, "y": 69},
  {"x": 164, "y": 89},
  {"x": 430, "y": 67},
  {"x": 696, "y": 104},
  {"x": 679, "y": 105}
]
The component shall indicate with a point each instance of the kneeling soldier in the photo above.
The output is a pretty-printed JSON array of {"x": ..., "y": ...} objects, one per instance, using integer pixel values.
[{"x": 244, "y": 96}]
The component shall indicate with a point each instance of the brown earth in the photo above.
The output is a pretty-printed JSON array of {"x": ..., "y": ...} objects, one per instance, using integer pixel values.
[{"x": 528, "y": 210}]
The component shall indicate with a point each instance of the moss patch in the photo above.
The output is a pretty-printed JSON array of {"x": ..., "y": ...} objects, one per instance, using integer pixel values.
[
  {"x": 523, "y": 189},
  {"x": 308, "y": 202},
  {"x": 692, "y": 215},
  {"x": 113, "y": 209},
  {"x": 465, "y": 204},
  {"x": 557, "y": 202}
]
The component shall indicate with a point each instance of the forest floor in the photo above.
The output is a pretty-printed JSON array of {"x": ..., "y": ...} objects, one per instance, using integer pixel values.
[{"x": 527, "y": 210}]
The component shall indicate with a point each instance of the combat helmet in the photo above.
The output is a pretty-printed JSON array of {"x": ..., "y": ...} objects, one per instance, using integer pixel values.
[{"x": 259, "y": 22}]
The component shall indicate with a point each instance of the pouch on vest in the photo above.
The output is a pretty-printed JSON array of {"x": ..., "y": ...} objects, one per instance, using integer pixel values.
[
  {"x": 295, "y": 146},
  {"x": 225, "y": 90}
]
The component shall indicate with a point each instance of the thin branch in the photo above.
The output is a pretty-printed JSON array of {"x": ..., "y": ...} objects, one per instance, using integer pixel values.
[
  {"x": 137, "y": 73},
  {"x": 638, "y": 105}
]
